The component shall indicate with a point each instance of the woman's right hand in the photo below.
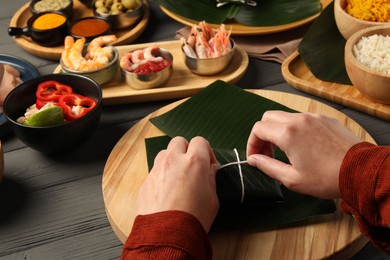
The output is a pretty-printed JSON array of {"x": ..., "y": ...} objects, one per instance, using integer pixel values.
[{"x": 315, "y": 145}]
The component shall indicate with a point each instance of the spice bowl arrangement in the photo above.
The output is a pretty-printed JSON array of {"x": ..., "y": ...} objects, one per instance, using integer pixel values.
[
  {"x": 73, "y": 116},
  {"x": 46, "y": 28},
  {"x": 367, "y": 64},
  {"x": 120, "y": 15},
  {"x": 146, "y": 68},
  {"x": 347, "y": 23}
]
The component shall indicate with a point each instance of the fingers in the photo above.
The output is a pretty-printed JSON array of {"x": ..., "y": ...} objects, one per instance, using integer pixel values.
[
  {"x": 178, "y": 145},
  {"x": 274, "y": 168}
]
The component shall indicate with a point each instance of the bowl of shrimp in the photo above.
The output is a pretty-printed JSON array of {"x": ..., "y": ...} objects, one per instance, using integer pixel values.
[
  {"x": 146, "y": 68},
  {"x": 206, "y": 52},
  {"x": 97, "y": 60}
]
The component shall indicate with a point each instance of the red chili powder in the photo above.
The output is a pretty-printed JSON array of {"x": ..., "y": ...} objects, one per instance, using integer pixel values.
[{"x": 89, "y": 27}]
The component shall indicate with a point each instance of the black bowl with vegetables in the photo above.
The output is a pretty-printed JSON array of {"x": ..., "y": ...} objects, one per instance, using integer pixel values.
[{"x": 81, "y": 110}]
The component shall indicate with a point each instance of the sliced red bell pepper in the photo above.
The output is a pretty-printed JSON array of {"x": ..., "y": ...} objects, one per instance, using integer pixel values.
[
  {"x": 75, "y": 105},
  {"x": 51, "y": 90}
]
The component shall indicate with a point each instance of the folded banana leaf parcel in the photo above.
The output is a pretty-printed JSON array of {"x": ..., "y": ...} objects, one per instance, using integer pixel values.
[{"x": 225, "y": 114}]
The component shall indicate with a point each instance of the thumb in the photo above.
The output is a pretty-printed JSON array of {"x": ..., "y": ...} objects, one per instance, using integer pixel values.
[{"x": 272, "y": 167}]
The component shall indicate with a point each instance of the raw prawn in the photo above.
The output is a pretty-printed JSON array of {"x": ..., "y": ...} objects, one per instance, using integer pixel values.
[
  {"x": 96, "y": 57},
  {"x": 204, "y": 43},
  {"x": 9, "y": 79},
  {"x": 131, "y": 61}
]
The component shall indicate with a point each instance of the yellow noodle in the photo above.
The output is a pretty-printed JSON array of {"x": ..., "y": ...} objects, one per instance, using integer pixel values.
[{"x": 369, "y": 10}]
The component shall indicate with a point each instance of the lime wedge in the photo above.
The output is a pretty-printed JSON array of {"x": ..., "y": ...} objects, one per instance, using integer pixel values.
[{"x": 46, "y": 117}]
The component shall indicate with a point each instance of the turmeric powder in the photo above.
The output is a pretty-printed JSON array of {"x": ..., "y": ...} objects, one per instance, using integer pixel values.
[{"x": 49, "y": 21}]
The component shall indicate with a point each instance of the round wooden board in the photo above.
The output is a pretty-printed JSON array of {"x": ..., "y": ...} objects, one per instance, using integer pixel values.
[
  {"x": 239, "y": 29},
  {"x": 124, "y": 36},
  {"x": 319, "y": 237}
]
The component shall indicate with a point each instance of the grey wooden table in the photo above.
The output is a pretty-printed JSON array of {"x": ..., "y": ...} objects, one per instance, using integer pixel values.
[{"x": 51, "y": 207}]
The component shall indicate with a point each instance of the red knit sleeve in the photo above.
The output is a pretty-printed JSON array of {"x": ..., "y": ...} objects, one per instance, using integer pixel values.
[
  {"x": 365, "y": 190},
  {"x": 167, "y": 235}
]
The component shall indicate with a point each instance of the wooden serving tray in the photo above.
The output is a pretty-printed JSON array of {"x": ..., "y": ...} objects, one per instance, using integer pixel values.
[
  {"x": 240, "y": 29},
  {"x": 297, "y": 74},
  {"x": 183, "y": 83},
  {"x": 21, "y": 16},
  {"x": 316, "y": 238}
]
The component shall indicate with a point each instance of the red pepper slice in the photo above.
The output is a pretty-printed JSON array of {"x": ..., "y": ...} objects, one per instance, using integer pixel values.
[
  {"x": 51, "y": 90},
  {"x": 75, "y": 105}
]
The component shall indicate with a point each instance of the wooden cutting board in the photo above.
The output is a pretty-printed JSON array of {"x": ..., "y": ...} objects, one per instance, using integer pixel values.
[
  {"x": 298, "y": 75},
  {"x": 124, "y": 36},
  {"x": 319, "y": 237}
]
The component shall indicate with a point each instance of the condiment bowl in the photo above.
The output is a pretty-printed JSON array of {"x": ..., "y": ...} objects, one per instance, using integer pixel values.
[
  {"x": 369, "y": 81},
  {"x": 346, "y": 23},
  {"x": 121, "y": 20},
  {"x": 102, "y": 75},
  {"x": 66, "y": 8},
  {"x": 89, "y": 28},
  {"x": 151, "y": 80},
  {"x": 209, "y": 66},
  {"x": 50, "y": 36},
  {"x": 58, "y": 138}
]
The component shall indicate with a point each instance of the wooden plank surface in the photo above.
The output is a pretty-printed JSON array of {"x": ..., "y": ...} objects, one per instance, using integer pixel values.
[
  {"x": 297, "y": 74},
  {"x": 126, "y": 169}
]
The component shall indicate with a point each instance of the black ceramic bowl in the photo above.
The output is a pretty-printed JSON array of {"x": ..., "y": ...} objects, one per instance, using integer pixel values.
[
  {"x": 59, "y": 138},
  {"x": 45, "y": 37},
  {"x": 89, "y": 28},
  {"x": 67, "y": 10}
]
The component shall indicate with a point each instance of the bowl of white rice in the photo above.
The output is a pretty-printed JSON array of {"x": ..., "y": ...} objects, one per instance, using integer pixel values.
[{"x": 367, "y": 61}]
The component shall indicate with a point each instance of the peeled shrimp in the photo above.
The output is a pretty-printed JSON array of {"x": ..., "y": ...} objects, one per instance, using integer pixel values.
[
  {"x": 97, "y": 56},
  {"x": 132, "y": 60}
]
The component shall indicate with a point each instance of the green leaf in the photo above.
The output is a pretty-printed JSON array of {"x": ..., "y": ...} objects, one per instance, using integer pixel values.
[
  {"x": 224, "y": 115},
  {"x": 322, "y": 49},
  {"x": 266, "y": 13}
]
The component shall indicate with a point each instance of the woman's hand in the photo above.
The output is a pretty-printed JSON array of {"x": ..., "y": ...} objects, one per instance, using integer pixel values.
[
  {"x": 315, "y": 145},
  {"x": 182, "y": 178}
]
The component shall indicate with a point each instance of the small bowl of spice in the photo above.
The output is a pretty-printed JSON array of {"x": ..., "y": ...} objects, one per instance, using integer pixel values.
[
  {"x": 89, "y": 28},
  {"x": 63, "y": 6},
  {"x": 367, "y": 61},
  {"x": 47, "y": 28},
  {"x": 120, "y": 13},
  {"x": 146, "y": 68},
  {"x": 352, "y": 16}
]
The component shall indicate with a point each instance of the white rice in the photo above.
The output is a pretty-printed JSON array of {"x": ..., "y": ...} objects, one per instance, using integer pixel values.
[{"x": 374, "y": 52}]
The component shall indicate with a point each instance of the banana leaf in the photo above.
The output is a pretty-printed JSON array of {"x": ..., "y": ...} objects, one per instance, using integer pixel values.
[
  {"x": 322, "y": 49},
  {"x": 265, "y": 13},
  {"x": 224, "y": 115}
]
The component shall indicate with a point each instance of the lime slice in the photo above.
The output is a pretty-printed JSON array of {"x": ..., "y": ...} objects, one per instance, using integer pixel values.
[{"x": 46, "y": 117}]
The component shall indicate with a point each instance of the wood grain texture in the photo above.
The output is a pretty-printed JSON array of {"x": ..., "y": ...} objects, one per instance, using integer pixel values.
[
  {"x": 319, "y": 237},
  {"x": 240, "y": 29},
  {"x": 183, "y": 83},
  {"x": 124, "y": 36},
  {"x": 298, "y": 75}
]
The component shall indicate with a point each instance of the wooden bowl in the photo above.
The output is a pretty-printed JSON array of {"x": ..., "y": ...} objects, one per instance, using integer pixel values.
[
  {"x": 370, "y": 82},
  {"x": 348, "y": 24}
]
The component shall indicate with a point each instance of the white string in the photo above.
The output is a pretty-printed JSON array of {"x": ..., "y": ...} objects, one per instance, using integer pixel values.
[{"x": 240, "y": 172}]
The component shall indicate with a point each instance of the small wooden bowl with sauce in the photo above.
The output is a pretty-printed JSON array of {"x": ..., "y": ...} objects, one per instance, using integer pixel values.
[{"x": 89, "y": 28}]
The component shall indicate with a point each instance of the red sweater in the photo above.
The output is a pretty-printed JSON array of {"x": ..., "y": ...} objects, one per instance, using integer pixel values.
[{"x": 364, "y": 187}]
